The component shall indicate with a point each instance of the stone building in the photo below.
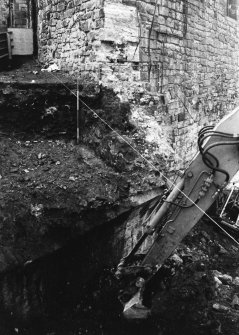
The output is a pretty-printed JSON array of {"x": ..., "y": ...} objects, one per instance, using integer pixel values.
[{"x": 174, "y": 61}]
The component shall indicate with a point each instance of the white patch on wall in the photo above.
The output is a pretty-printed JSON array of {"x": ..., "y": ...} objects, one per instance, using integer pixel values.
[
  {"x": 121, "y": 24},
  {"x": 154, "y": 133}
]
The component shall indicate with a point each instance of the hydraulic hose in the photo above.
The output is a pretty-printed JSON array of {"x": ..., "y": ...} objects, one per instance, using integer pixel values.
[{"x": 208, "y": 157}]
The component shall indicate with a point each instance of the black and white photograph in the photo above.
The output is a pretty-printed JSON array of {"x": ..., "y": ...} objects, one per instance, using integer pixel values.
[{"x": 119, "y": 167}]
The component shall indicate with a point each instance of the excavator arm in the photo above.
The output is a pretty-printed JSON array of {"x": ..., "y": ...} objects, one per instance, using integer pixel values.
[{"x": 208, "y": 174}]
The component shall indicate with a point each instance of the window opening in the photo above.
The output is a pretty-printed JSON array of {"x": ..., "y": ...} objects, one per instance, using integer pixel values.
[
  {"x": 232, "y": 6},
  {"x": 20, "y": 14}
]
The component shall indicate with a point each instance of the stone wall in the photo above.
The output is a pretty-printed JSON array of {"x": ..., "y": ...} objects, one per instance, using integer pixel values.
[
  {"x": 194, "y": 64},
  {"x": 175, "y": 62},
  {"x": 67, "y": 32},
  {"x": 4, "y": 12}
]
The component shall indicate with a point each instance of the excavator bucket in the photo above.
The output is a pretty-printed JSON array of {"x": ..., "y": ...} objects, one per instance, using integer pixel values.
[{"x": 134, "y": 309}]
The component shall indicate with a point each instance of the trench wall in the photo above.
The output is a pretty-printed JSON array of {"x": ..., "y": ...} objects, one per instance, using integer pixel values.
[{"x": 174, "y": 62}]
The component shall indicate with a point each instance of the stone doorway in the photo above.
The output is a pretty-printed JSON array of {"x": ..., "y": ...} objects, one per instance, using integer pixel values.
[
  {"x": 18, "y": 28},
  {"x": 22, "y": 25}
]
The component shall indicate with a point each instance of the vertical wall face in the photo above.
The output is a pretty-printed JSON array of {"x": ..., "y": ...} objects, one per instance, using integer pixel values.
[
  {"x": 87, "y": 37},
  {"x": 192, "y": 59},
  {"x": 67, "y": 32},
  {"x": 174, "y": 61},
  {"x": 4, "y": 12}
]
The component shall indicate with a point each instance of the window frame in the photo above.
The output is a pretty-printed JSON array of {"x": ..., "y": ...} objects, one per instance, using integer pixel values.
[{"x": 229, "y": 13}]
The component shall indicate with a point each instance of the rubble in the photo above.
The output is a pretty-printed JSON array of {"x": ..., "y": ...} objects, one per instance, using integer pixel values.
[
  {"x": 225, "y": 279},
  {"x": 51, "y": 68},
  {"x": 220, "y": 308}
]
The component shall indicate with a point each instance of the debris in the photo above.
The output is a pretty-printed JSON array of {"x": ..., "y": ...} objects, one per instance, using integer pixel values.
[
  {"x": 177, "y": 259},
  {"x": 39, "y": 186},
  {"x": 13, "y": 170},
  {"x": 222, "y": 250},
  {"x": 217, "y": 282},
  {"x": 206, "y": 235},
  {"x": 50, "y": 111},
  {"x": 51, "y": 68},
  {"x": 8, "y": 90},
  {"x": 72, "y": 178},
  {"x": 234, "y": 248},
  {"x": 40, "y": 155},
  {"x": 236, "y": 281},
  {"x": 225, "y": 279},
  {"x": 37, "y": 210},
  {"x": 220, "y": 308},
  {"x": 83, "y": 203},
  {"x": 216, "y": 273}
]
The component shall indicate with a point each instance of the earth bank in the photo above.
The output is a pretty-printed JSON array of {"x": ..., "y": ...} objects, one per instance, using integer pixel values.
[{"x": 61, "y": 203}]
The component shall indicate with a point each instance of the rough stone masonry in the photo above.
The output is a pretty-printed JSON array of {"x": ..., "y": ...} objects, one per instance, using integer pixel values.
[{"x": 175, "y": 62}]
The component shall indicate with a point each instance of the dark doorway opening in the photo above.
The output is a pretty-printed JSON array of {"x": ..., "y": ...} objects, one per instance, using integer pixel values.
[{"x": 23, "y": 14}]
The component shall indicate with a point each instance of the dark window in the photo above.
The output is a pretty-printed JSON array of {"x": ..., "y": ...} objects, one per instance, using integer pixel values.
[
  {"x": 19, "y": 13},
  {"x": 232, "y": 6}
]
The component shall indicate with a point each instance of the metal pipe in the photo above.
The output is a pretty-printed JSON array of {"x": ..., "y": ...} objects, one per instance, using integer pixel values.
[
  {"x": 78, "y": 115},
  {"x": 9, "y": 43},
  {"x": 225, "y": 205},
  {"x": 165, "y": 206}
]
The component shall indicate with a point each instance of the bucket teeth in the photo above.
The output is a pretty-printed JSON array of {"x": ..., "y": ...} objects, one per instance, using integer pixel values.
[
  {"x": 134, "y": 308},
  {"x": 137, "y": 312}
]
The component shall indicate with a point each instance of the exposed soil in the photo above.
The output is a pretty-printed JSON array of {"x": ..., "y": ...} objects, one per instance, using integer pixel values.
[
  {"x": 28, "y": 70},
  {"x": 53, "y": 189},
  {"x": 50, "y": 191},
  {"x": 196, "y": 292},
  {"x": 56, "y": 258},
  {"x": 201, "y": 295}
]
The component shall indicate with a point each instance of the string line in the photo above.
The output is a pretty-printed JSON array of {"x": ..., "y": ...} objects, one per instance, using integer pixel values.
[{"x": 146, "y": 160}]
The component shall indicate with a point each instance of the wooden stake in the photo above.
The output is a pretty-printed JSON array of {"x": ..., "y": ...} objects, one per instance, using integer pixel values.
[{"x": 78, "y": 115}]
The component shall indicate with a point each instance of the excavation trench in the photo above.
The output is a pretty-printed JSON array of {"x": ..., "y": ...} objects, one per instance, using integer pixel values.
[
  {"x": 72, "y": 289},
  {"x": 64, "y": 208},
  {"x": 68, "y": 212}
]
